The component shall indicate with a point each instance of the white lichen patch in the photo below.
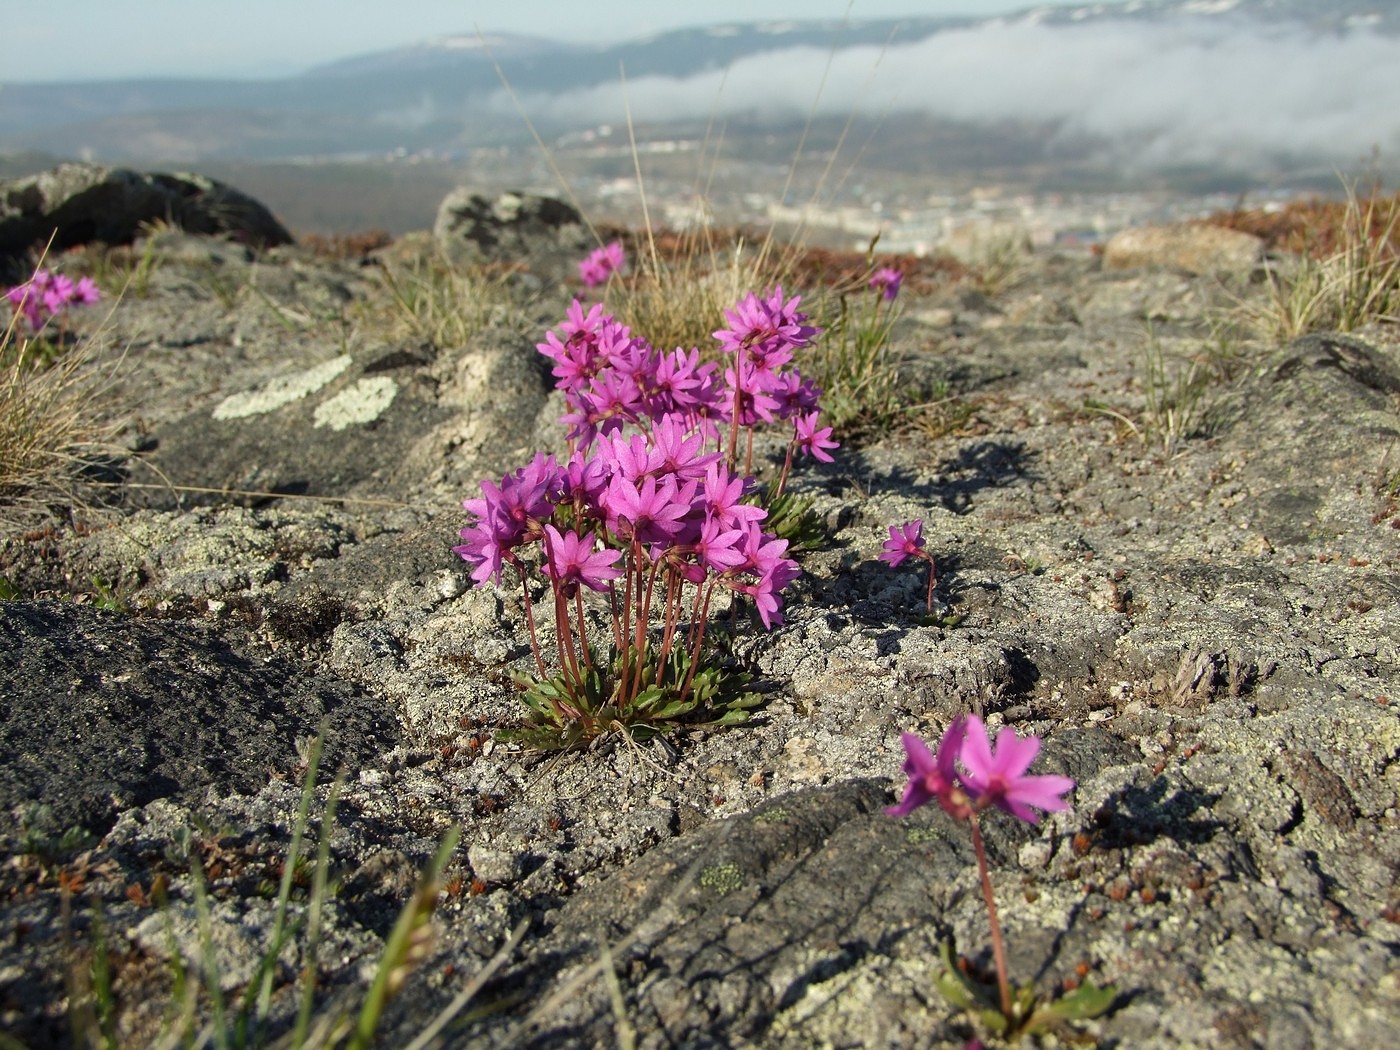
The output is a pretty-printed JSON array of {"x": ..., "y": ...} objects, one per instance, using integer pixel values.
[
  {"x": 280, "y": 391},
  {"x": 362, "y": 403}
]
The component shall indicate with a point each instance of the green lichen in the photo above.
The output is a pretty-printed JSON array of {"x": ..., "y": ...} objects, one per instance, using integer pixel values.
[
  {"x": 722, "y": 879},
  {"x": 920, "y": 836}
]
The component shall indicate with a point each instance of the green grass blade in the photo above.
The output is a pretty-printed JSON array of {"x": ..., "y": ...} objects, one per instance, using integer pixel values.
[{"x": 398, "y": 951}]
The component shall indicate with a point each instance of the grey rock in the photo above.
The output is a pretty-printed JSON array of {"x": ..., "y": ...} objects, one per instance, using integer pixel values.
[
  {"x": 545, "y": 234},
  {"x": 102, "y": 713},
  {"x": 84, "y": 203},
  {"x": 1198, "y": 249}
]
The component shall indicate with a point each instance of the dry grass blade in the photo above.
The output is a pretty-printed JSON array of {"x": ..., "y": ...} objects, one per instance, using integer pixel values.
[
  {"x": 54, "y": 424},
  {"x": 1347, "y": 270},
  {"x": 425, "y": 1038}
]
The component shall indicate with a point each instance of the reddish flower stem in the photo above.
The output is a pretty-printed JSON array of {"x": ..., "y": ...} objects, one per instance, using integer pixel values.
[
  {"x": 530, "y": 619},
  {"x": 998, "y": 948},
  {"x": 582, "y": 631}
]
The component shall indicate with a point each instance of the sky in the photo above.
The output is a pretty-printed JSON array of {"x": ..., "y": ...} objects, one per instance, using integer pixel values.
[{"x": 104, "y": 39}]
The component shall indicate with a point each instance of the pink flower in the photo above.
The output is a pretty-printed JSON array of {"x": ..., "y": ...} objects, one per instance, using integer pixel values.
[
  {"x": 46, "y": 295},
  {"x": 601, "y": 263},
  {"x": 905, "y": 541},
  {"x": 933, "y": 777},
  {"x": 769, "y": 329},
  {"x": 653, "y": 512},
  {"x": 85, "y": 292},
  {"x": 573, "y": 561},
  {"x": 811, "y": 440},
  {"x": 723, "y": 496},
  {"x": 966, "y": 776},
  {"x": 886, "y": 281},
  {"x": 998, "y": 778}
]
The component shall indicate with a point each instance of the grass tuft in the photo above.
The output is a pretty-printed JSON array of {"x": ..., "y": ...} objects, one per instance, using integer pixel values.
[
  {"x": 444, "y": 304},
  {"x": 55, "y": 426},
  {"x": 1345, "y": 272}
]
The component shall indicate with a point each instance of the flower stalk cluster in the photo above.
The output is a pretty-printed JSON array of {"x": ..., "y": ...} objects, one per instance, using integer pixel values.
[
  {"x": 648, "y": 509},
  {"x": 48, "y": 295}
]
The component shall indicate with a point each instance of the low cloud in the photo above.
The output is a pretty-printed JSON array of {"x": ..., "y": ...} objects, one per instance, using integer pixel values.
[{"x": 1189, "y": 90}]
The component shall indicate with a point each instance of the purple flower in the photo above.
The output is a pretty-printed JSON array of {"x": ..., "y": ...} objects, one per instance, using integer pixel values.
[
  {"x": 85, "y": 292},
  {"x": 679, "y": 383},
  {"x": 905, "y": 541},
  {"x": 483, "y": 548},
  {"x": 573, "y": 561},
  {"x": 599, "y": 264},
  {"x": 794, "y": 394},
  {"x": 723, "y": 499},
  {"x": 654, "y": 512},
  {"x": 715, "y": 548},
  {"x": 811, "y": 440},
  {"x": 886, "y": 281},
  {"x": 998, "y": 778},
  {"x": 46, "y": 295},
  {"x": 768, "y": 328},
  {"x": 681, "y": 450},
  {"x": 933, "y": 777}
]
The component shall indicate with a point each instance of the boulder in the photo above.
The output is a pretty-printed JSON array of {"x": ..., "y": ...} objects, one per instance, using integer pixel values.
[
  {"x": 1196, "y": 249},
  {"x": 545, "y": 234},
  {"x": 80, "y": 203}
]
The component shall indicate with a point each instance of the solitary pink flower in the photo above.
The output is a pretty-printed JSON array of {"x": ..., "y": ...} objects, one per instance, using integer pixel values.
[
  {"x": 999, "y": 778},
  {"x": 886, "y": 281},
  {"x": 595, "y": 267},
  {"x": 905, "y": 541}
]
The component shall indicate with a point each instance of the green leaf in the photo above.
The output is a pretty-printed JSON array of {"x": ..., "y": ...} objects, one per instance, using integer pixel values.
[
  {"x": 731, "y": 718},
  {"x": 1086, "y": 1001},
  {"x": 674, "y": 709}
]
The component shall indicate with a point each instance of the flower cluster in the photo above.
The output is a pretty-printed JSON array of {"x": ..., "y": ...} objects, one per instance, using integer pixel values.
[
  {"x": 598, "y": 265},
  {"x": 612, "y": 379},
  {"x": 968, "y": 775},
  {"x": 47, "y": 295},
  {"x": 649, "y": 506}
]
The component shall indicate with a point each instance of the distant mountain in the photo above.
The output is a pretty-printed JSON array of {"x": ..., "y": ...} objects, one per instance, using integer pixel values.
[{"x": 1134, "y": 74}]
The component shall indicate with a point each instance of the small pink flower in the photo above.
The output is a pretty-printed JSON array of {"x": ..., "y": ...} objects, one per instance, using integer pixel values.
[
  {"x": 573, "y": 561},
  {"x": 933, "y": 777},
  {"x": 998, "y": 778},
  {"x": 85, "y": 292},
  {"x": 906, "y": 541},
  {"x": 886, "y": 281},
  {"x": 814, "y": 441},
  {"x": 598, "y": 265}
]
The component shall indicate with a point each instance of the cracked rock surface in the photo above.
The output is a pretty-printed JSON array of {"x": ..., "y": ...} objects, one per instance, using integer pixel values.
[{"x": 1202, "y": 620}]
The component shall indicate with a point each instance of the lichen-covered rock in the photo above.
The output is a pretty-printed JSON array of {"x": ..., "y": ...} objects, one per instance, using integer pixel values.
[
  {"x": 545, "y": 234},
  {"x": 1198, "y": 610}
]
